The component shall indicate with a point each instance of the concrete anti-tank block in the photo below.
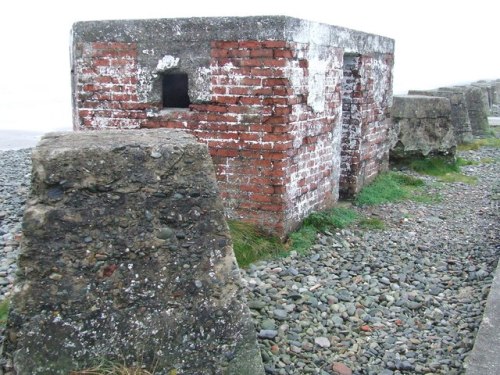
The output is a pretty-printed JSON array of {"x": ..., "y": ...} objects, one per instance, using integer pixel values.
[
  {"x": 421, "y": 126},
  {"x": 459, "y": 114},
  {"x": 127, "y": 257}
]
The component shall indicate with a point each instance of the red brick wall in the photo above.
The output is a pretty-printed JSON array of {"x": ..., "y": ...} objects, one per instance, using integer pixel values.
[
  {"x": 367, "y": 92},
  {"x": 106, "y": 90},
  {"x": 272, "y": 124}
]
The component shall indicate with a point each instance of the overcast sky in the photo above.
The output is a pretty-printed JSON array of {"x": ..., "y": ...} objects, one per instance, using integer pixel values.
[{"x": 438, "y": 42}]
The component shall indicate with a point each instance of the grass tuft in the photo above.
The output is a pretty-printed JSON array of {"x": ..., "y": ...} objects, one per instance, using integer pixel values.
[
  {"x": 446, "y": 170},
  {"x": 488, "y": 160},
  {"x": 110, "y": 368},
  {"x": 478, "y": 143},
  {"x": 338, "y": 217},
  {"x": 251, "y": 244},
  {"x": 458, "y": 177},
  {"x": 302, "y": 239},
  {"x": 371, "y": 223},
  {"x": 388, "y": 187},
  {"x": 4, "y": 311},
  {"x": 435, "y": 166}
]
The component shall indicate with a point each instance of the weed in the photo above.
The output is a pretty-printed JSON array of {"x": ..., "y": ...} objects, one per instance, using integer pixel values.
[
  {"x": 464, "y": 162},
  {"x": 371, "y": 223},
  {"x": 251, "y": 244},
  {"x": 478, "y": 143},
  {"x": 388, "y": 187},
  {"x": 338, "y": 217},
  {"x": 488, "y": 160},
  {"x": 302, "y": 239},
  {"x": 435, "y": 166},
  {"x": 111, "y": 368},
  {"x": 458, "y": 177},
  {"x": 446, "y": 170},
  {"x": 4, "y": 311}
]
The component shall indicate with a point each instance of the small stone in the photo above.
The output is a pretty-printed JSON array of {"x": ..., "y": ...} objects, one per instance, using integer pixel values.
[
  {"x": 481, "y": 274},
  {"x": 165, "y": 233},
  {"x": 256, "y": 305},
  {"x": 413, "y": 305},
  {"x": 339, "y": 368},
  {"x": 307, "y": 346},
  {"x": 322, "y": 341},
  {"x": 314, "y": 257},
  {"x": 280, "y": 314},
  {"x": 268, "y": 324},
  {"x": 404, "y": 366},
  {"x": 437, "y": 314},
  {"x": 344, "y": 295},
  {"x": 385, "y": 280},
  {"x": 55, "y": 276},
  {"x": 390, "y": 299},
  {"x": 293, "y": 271},
  {"x": 155, "y": 154},
  {"x": 337, "y": 320},
  {"x": 267, "y": 334}
]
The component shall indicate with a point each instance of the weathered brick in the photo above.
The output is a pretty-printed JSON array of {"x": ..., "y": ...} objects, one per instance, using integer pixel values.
[{"x": 260, "y": 119}]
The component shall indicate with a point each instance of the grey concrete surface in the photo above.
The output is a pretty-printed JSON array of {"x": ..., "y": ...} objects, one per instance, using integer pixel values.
[{"x": 485, "y": 356}]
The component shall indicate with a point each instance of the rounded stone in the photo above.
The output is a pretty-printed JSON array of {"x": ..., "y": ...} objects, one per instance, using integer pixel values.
[{"x": 165, "y": 233}]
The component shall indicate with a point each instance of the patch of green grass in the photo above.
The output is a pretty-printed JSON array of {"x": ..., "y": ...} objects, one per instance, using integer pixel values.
[
  {"x": 458, "y": 177},
  {"x": 388, "y": 187},
  {"x": 488, "y": 161},
  {"x": 426, "y": 198},
  {"x": 445, "y": 169},
  {"x": 371, "y": 223},
  {"x": 251, "y": 243},
  {"x": 338, "y": 217},
  {"x": 461, "y": 162},
  {"x": 435, "y": 166},
  {"x": 4, "y": 311},
  {"x": 302, "y": 239},
  {"x": 478, "y": 143}
]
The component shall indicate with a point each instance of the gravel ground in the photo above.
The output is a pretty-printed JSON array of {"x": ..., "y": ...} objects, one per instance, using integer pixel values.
[
  {"x": 15, "y": 172},
  {"x": 406, "y": 299}
]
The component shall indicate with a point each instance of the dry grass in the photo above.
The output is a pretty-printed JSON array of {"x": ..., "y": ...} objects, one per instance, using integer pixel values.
[{"x": 111, "y": 369}]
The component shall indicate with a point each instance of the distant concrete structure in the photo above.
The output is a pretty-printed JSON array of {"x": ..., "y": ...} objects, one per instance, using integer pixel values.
[
  {"x": 294, "y": 112},
  {"x": 478, "y": 108},
  {"x": 470, "y": 107},
  {"x": 459, "y": 113},
  {"x": 421, "y": 126},
  {"x": 126, "y": 257}
]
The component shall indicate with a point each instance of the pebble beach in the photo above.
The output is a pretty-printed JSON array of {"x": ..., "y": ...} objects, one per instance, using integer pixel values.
[
  {"x": 407, "y": 299},
  {"x": 404, "y": 300}
]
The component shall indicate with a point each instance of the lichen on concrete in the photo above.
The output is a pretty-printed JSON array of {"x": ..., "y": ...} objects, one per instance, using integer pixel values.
[
  {"x": 421, "y": 126},
  {"x": 126, "y": 256}
]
